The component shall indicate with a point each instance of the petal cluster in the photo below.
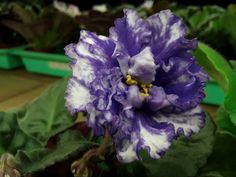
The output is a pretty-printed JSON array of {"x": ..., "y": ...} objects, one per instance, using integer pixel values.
[{"x": 141, "y": 84}]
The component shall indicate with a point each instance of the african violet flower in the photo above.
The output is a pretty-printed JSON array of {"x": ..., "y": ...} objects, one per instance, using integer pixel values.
[{"x": 141, "y": 84}]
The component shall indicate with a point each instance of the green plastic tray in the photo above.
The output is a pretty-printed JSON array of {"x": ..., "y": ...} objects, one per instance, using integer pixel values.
[
  {"x": 214, "y": 94},
  {"x": 8, "y": 60},
  {"x": 45, "y": 63}
]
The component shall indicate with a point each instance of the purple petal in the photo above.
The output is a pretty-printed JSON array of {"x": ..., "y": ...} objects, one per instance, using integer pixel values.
[
  {"x": 130, "y": 32},
  {"x": 184, "y": 78},
  {"x": 143, "y": 67},
  {"x": 92, "y": 52},
  {"x": 188, "y": 87},
  {"x": 103, "y": 109},
  {"x": 188, "y": 122},
  {"x": 95, "y": 46},
  {"x": 158, "y": 99},
  {"x": 168, "y": 33},
  {"x": 147, "y": 135}
]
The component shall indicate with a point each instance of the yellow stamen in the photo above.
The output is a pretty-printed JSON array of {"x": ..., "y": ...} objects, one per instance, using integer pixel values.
[
  {"x": 145, "y": 87},
  {"x": 144, "y": 94},
  {"x": 130, "y": 81},
  {"x": 149, "y": 85}
]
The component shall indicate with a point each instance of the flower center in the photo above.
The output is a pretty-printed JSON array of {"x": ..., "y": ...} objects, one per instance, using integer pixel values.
[{"x": 145, "y": 87}]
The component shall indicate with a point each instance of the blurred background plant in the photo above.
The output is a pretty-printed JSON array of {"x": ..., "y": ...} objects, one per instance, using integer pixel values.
[
  {"x": 8, "y": 37},
  {"x": 212, "y": 24},
  {"x": 42, "y": 28}
]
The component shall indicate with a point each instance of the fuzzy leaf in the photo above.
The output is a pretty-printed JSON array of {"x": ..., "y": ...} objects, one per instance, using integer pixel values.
[
  {"x": 206, "y": 15},
  {"x": 45, "y": 29},
  {"x": 223, "y": 119},
  {"x": 32, "y": 33},
  {"x": 229, "y": 24},
  {"x": 70, "y": 143},
  {"x": 223, "y": 159},
  {"x": 183, "y": 159},
  {"x": 12, "y": 137},
  {"x": 26, "y": 15},
  {"x": 233, "y": 65},
  {"x": 47, "y": 115},
  {"x": 220, "y": 70}
]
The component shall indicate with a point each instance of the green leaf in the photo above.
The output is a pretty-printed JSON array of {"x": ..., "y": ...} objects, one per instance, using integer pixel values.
[
  {"x": 47, "y": 115},
  {"x": 222, "y": 161},
  {"x": 24, "y": 14},
  {"x": 12, "y": 137},
  {"x": 206, "y": 15},
  {"x": 183, "y": 159},
  {"x": 233, "y": 65},
  {"x": 220, "y": 70},
  {"x": 44, "y": 29},
  {"x": 229, "y": 26},
  {"x": 223, "y": 119},
  {"x": 32, "y": 33},
  {"x": 203, "y": 22},
  {"x": 232, "y": 8},
  {"x": 70, "y": 143},
  {"x": 212, "y": 62},
  {"x": 186, "y": 12},
  {"x": 211, "y": 174}
]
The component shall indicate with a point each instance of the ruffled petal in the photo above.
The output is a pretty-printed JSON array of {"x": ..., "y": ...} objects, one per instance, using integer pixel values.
[
  {"x": 134, "y": 98},
  {"x": 188, "y": 86},
  {"x": 158, "y": 99},
  {"x": 103, "y": 109},
  {"x": 96, "y": 47},
  {"x": 187, "y": 122},
  {"x": 130, "y": 32},
  {"x": 142, "y": 66},
  {"x": 92, "y": 53},
  {"x": 168, "y": 32},
  {"x": 147, "y": 135},
  {"x": 77, "y": 96},
  {"x": 81, "y": 67}
]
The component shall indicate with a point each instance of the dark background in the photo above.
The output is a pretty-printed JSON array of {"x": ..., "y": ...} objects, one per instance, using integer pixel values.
[{"x": 87, "y": 4}]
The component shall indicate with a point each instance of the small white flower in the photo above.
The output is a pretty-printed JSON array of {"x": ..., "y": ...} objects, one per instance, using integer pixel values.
[{"x": 69, "y": 9}]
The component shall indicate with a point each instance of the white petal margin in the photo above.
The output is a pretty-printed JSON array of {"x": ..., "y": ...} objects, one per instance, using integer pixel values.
[
  {"x": 169, "y": 27},
  {"x": 130, "y": 32},
  {"x": 94, "y": 46},
  {"x": 129, "y": 151},
  {"x": 155, "y": 141},
  {"x": 77, "y": 96},
  {"x": 188, "y": 122},
  {"x": 81, "y": 67},
  {"x": 92, "y": 51}
]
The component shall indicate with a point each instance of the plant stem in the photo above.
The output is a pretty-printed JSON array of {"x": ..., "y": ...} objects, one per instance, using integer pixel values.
[{"x": 81, "y": 165}]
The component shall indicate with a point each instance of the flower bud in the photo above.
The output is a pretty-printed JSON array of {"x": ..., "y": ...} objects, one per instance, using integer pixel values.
[
  {"x": 79, "y": 169},
  {"x": 8, "y": 166}
]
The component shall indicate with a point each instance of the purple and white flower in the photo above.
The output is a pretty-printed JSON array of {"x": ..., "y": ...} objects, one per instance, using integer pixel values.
[{"x": 141, "y": 84}]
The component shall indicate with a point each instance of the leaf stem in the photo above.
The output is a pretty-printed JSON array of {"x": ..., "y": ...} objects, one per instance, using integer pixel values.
[{"x": 92, "y": 155}]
